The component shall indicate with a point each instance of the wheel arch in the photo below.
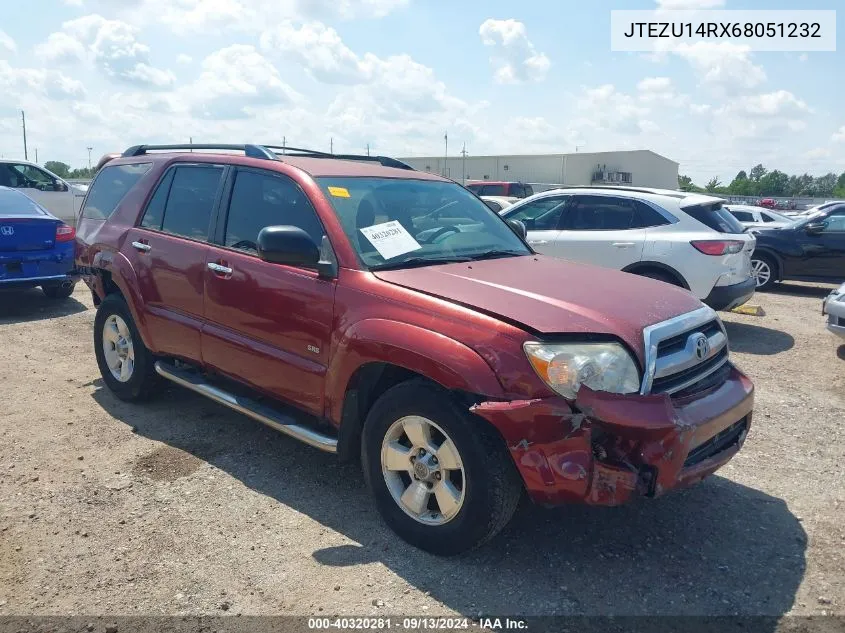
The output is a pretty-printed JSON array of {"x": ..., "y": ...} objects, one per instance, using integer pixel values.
[
  {"x": 638, "y": 268},
  {"x": 778, "y": 260},
  {"x": 114, "y": 274}
]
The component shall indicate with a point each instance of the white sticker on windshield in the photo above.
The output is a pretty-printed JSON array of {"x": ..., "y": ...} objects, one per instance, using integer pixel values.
[{"x": 390, "y": 239}]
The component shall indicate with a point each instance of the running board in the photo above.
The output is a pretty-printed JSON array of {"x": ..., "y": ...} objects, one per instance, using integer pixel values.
[{"x": 274, "y": 419}]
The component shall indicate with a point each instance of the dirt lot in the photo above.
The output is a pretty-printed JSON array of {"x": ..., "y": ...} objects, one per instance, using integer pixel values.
[{"x": 183, "y": 507}]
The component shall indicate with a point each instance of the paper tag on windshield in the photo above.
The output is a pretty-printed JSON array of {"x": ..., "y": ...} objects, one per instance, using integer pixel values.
[{"x": 390, "y": 239}]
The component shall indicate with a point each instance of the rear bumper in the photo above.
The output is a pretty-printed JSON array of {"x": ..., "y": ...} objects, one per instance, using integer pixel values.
[
  {"x": 30, "y": 282},
  {"x": 730, "y": 297},
  {"x": 25, "y": 269},
  {"x": 610, "y": 448}
]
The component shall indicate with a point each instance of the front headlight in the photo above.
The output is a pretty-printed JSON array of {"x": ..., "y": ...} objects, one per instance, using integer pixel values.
[{"x": 601, "y": 366}]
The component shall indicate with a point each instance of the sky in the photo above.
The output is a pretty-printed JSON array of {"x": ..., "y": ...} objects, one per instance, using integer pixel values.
[{"x": 499, "y": 76}]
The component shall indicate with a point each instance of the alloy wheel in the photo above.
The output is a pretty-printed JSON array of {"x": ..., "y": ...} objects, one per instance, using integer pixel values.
[
  {"x": 761, "y": 271},
  {"x": 118, "y": 349}
]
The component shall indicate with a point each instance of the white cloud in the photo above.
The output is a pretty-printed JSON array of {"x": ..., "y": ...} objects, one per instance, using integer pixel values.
[
  {"x": 817, "y": 153},
  {"x": 722, "y": 64},
  {"x": 184, "y": 59},
  {"x": 236, "y": 79},
  {"x": 765, "y": 115},
  {"x": 318, "y": 48},
  {"x": 700, "y": 108},
  {"x": 514, "y": 57},
  {"x": 606, "y": 108},
  {"x": 772, "y": 104},
  {"x": 110, "y": 45},
  {"x": 27, "y": 82},
  {"x": 7, "y": 44},
  {"x": 839, "y": 135}
]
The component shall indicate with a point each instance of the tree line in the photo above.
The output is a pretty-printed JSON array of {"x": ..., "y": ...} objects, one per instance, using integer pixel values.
[
  {"x": 63, "y": 170},
  {"x": 762, "y": 182}
]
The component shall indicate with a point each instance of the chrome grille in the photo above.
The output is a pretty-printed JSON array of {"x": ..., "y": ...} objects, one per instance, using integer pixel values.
[{"x": 677, "y": 357}]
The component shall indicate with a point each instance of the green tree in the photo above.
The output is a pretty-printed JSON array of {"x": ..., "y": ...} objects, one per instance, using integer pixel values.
[
  {"x": 82, "y": 173},
  {"x": 824, "y": 185},
  {"x": 62, "y": 170},
  {"x": 757, "y": 173},
  {"x": 713, "y": 184},
  {"x": 741, "y": 176},
  {"x": 775, "y": 183}
]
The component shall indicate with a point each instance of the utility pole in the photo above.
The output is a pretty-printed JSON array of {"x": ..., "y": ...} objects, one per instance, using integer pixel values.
[
  {"x": 331, "y": 145},
  {"x": 23, "y": 120},
  {"x": 191, "y": 143},
  {"x": 368, "y": 149},
  {"x": 89, "y": 157},
  {"x": 284, "y": 144},
  {"x": 36, "y": 155},
  {"x": 446, "y": 155},
  {"x": 464, "y": 175}
]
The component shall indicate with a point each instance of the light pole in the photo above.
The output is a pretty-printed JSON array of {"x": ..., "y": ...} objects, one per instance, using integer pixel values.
[
  {"x": 446, "y": 155},
  {"x": 464, "y": 165},
  {"x": 89, "y": 157}
]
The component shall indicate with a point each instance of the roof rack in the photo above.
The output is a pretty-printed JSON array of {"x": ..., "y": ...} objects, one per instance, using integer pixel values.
[{"x": 266, "y": 152}]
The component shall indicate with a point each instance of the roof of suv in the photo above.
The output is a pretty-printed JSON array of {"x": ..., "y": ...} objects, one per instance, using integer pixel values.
[
  {"x": 314, "y": 163},
  {"x": 682, "y": 198}
]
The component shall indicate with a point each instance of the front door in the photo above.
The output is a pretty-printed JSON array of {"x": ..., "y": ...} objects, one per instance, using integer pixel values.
[
  {"x": 267, "y": 325},
  {"x": 603, "y": 231},
  {"x": 824, "y": 253},
  {"x": 541, "y": 218},
  {"x": 168, "y": 251}
]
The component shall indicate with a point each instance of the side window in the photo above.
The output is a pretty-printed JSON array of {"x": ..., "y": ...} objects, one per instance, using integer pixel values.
[
  {"x": 646, "y": 216},
  {"x": 768, "y": 218},
  {"x": 493, "y": 190},
  {"x": 516, "y": 190},
  {"x": 529, "y": 190},
  {"x": 109, "y": 188},
  {"x": 743, "y": 216},
  {"x": 599, "y": 213},
  {"x": 32, "y": 177},
  {"x": 263, "y": 199},
  {"x": 835, "y": 222},
  {"x": 494, "y": 206},
  {"x": 541, "y": 215},
  {"x": 191, "y": 200},
  {"x": 154, "y": 213}
]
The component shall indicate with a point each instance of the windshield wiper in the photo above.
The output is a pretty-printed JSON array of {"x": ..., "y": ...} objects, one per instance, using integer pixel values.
[
  {"x": 414, "y": 262},
  {"x": 494, "y": 254}
]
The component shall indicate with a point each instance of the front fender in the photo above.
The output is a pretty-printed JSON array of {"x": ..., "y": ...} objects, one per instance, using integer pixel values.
[
  {"x": 123, "y": 276},
  {"x": 444, "y": 360}
]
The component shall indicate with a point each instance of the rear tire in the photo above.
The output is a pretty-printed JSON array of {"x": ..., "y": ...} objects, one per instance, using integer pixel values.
[
  {"x": 58, "y": 292},
  {"x": 660, "y": 276},
  {"x": 467, "y": 481},
  {"x": 764, "y": 270},
  {"x": 126, "y": 365}
]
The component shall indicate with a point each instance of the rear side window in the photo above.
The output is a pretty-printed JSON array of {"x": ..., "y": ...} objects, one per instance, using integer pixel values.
[
  {"x": 260, "y": 200},
  {"x": 646, "y": 216},
  {"x": 190, "y": 201},
  {"x": 15, "y": 203},
  {"x": 494, "y": 206},
  {"x": 474, "y": 188},
  {"x": 516, "y": 190},
  {"x": 493, "y": 190},
  {"x": 529, "y": 190},
  {"x": 110, "y": 187},
  {"x": 745, "y": 216},
  {"x": 155, "y": 209},
  {"x": 767, "y": 217},
  {"x": 599, "y": 213},
  {"x": 716, "y": 217}
]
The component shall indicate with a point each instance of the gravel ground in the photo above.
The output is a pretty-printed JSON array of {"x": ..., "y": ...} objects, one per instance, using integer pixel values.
[{"x": 180, "y": 506}]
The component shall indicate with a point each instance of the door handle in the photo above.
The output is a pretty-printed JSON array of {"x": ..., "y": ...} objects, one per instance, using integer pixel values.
[
  {"x": 144, "y": 248},
  {"x": 219, "y": 269},
  {"x": 623, "y": 244}
]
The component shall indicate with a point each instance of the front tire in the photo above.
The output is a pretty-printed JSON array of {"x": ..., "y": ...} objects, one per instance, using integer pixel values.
[
  {"x": 441, "y": 480},
  {"x": 58, "y": 292},
  {"x": 764, "y": 271},
  {"x": 126, "y": 365}
]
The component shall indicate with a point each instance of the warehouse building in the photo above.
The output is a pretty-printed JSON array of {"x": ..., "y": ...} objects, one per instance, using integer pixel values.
[{"x": 641, "y": 168}]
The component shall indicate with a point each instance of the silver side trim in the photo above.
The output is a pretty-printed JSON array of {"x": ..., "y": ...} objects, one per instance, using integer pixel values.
[
  {"x": 255, "y": 410},
  {"x": 654, "y": 334}
]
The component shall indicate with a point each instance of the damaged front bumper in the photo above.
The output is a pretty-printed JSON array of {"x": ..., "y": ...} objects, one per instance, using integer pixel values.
[{"x": 607, "y": 448}]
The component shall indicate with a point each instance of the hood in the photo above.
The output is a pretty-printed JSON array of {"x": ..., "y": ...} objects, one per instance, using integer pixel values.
[{"x": 553, "y": 296}]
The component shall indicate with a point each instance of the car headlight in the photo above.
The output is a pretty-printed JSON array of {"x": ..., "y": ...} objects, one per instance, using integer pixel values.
[{"x": 601, "y": 366}]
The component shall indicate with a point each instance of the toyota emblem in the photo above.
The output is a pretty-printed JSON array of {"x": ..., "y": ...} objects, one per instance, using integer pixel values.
[
  {"x": 702, "y": 346},
  {"x": 7, "y": 230}
]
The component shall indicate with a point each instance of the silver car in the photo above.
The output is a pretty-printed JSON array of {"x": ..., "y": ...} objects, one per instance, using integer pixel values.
[{"x": 834, "y": 308}]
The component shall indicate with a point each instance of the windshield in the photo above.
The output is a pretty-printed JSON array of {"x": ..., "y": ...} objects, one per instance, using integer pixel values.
[{"x": 400, "y": 223}]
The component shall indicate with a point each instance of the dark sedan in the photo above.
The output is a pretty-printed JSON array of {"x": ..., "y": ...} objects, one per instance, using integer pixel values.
[{"x": 810, "y": 249}]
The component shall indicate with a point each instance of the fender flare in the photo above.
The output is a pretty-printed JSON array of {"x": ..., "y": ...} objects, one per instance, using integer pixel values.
[
  {"x": 633, "y": 268},
  {"x": 439, "y": 358},
  {"x": 123, "y": 276}
]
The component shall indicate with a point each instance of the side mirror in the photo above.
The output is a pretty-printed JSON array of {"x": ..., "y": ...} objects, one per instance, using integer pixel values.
[
  {"x": 814, "y": 228},
  {"x": 288, "y": 245},
  {"x": 519, "y": 228},
  {"x": 58, "y": 185}
]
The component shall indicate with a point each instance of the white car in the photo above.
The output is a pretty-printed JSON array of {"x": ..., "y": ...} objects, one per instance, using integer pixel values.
[
  {"x": 833, "y": 307},
  {"x": 756, "y": 217},
  {"x": 684, "y": 239},
  {"x": 59, "y": 197},
  {"x": 499, "y": 203}
]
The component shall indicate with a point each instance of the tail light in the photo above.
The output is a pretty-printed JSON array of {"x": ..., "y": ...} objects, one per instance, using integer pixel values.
[
  {"x": 65, "y": 233},
  {"x": 718, "y": 247}
]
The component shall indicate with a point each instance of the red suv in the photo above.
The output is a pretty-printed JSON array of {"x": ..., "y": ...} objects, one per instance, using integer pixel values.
[
  {"x": 501, "y": 188},
  {"x": 375, "y": 311}
]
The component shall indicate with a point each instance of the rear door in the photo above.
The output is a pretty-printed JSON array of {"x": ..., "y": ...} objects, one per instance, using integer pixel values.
[
  {"x": 267, "y": 324},
  {"x": 51, "y": 193},
  {"x": 602, "y": 230},
  {"x": 824, "y": 253},
  {"x": 541, "y": 218},
  {"x": 168, "y": 250}
]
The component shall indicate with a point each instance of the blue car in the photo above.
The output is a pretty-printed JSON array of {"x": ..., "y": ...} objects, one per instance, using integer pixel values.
[{"x": 36, "y": 248}]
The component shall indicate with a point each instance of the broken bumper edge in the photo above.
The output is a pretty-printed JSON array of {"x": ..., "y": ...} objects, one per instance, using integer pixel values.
[{"x": 606, "y": 449}]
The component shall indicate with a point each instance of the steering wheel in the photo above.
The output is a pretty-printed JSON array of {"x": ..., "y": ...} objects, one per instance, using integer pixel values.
[
  {"x": 441, "y": 231},
  {"x": 244, "y": 244}
]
